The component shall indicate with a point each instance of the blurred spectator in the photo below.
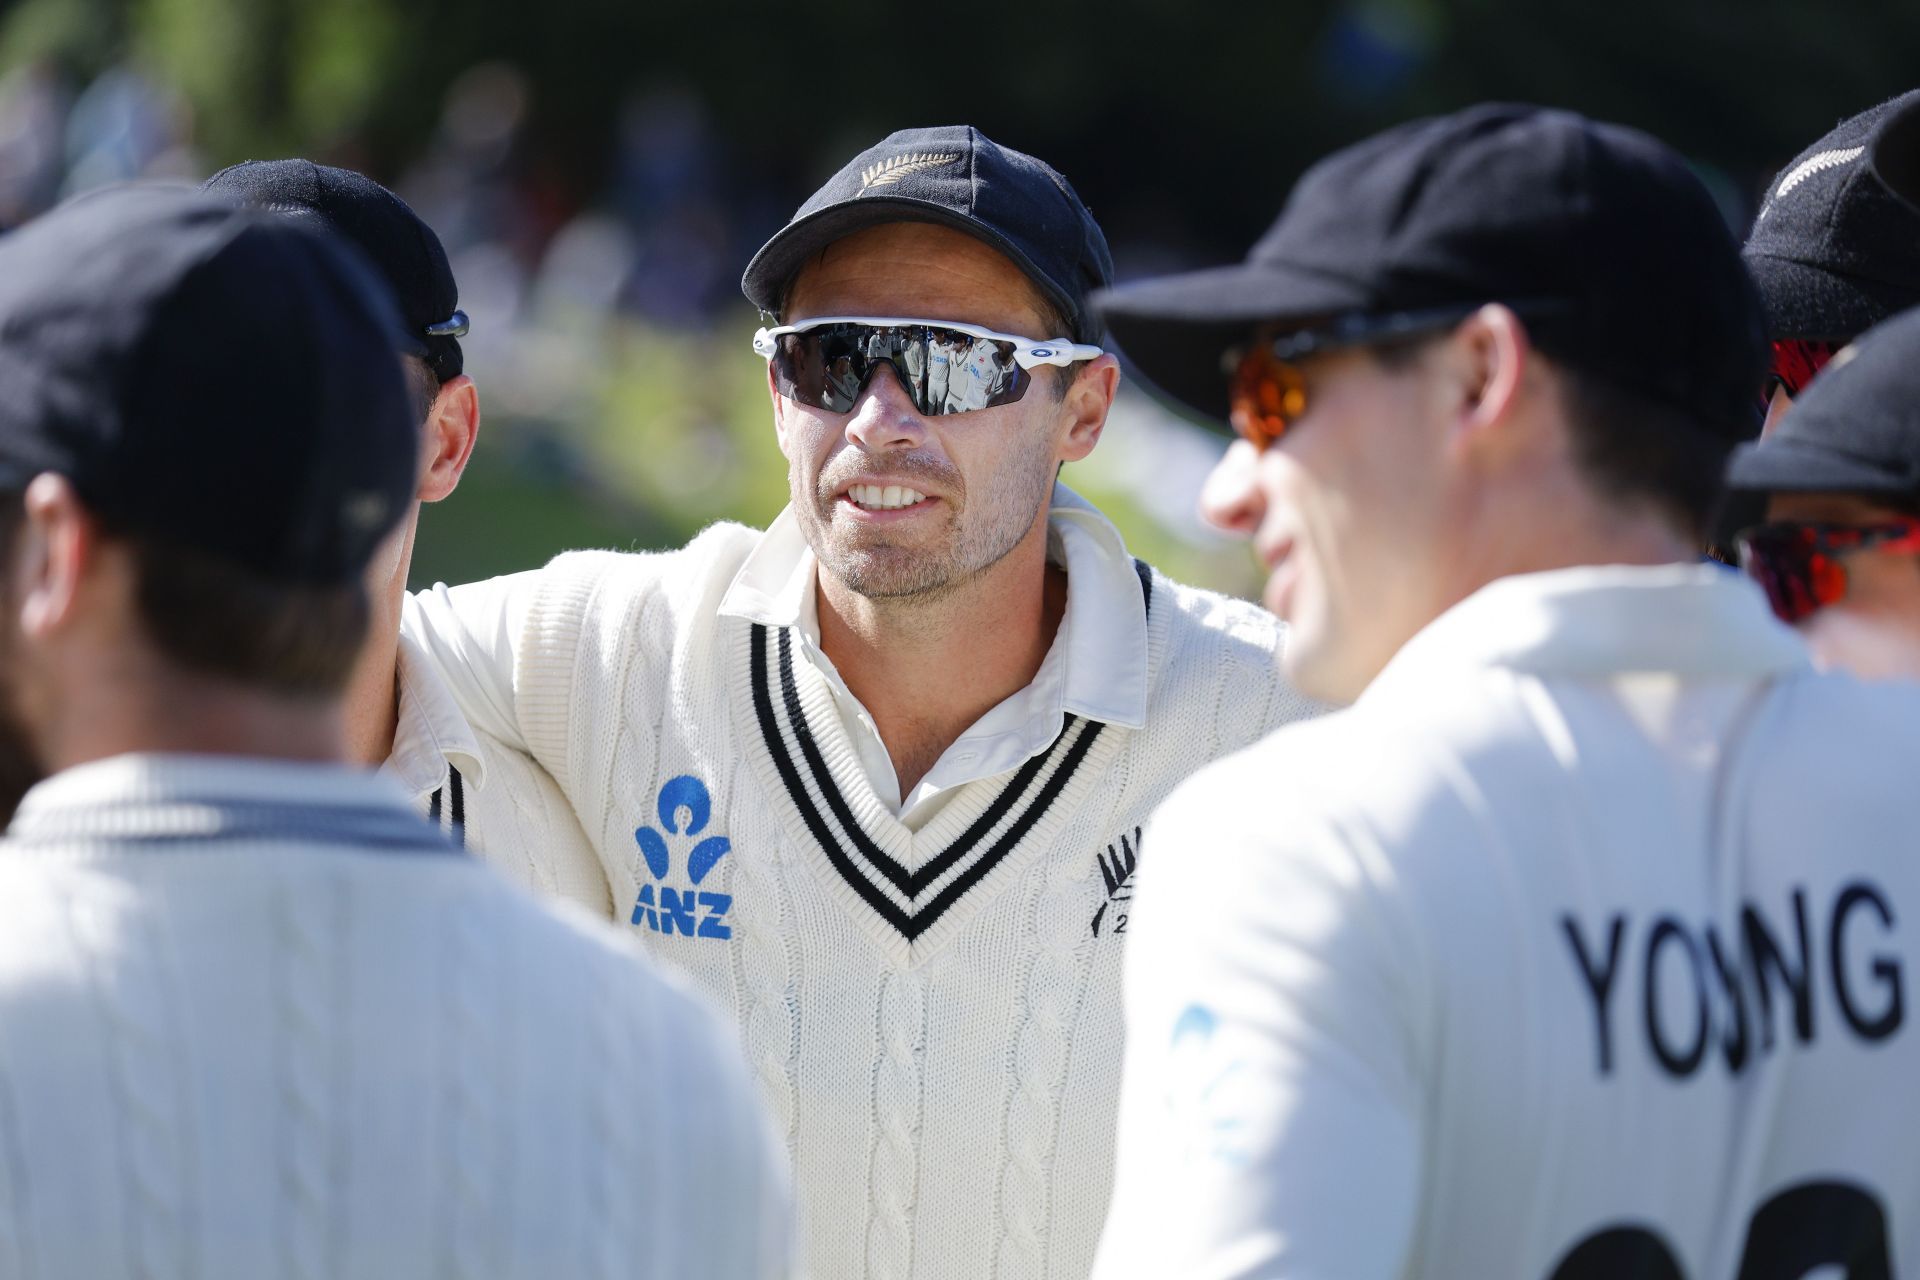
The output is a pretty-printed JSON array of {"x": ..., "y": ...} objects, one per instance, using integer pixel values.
[
  {"x": 125, "y": 125},
  {"x": 33, "y": 109}
]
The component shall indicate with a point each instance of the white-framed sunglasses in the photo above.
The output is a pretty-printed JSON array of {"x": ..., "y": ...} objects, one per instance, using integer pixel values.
[{"x": 946, "y": 366}]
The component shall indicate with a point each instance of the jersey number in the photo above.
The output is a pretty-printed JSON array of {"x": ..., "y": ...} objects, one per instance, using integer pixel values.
[{"x": 1816, "y": 1224}]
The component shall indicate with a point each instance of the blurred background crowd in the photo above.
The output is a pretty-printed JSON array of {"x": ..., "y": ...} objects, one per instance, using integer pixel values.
[{"x": 600, "y": 173}]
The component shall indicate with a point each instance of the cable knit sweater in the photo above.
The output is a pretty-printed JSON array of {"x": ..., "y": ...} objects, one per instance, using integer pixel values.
[
  {"x": 934, "y": 1015},
  {"x": 256, "y": 1019}
]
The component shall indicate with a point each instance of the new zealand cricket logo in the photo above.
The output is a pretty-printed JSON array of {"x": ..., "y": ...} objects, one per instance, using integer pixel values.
[{"x": 1116, "y": 868}]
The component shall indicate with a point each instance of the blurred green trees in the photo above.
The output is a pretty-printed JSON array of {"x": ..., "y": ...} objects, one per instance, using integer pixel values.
[{"x": 1182, "y": 125}]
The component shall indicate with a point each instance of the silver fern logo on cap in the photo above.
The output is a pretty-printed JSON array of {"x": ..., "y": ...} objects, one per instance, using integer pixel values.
[
  {"x": 1820, "y": 162},
  {"x": 888, "y": 172}
]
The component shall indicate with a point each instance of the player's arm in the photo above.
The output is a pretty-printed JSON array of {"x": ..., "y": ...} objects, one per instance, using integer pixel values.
[
  {"x": 1270, "y": 1113},
  {"x": 472, "y": 635}
]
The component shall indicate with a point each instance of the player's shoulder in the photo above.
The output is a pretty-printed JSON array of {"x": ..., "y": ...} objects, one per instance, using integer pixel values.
[
  {"x": 1859, "y": 736},
  {"x": 1218, "y": 656},
  {"x": 705, "y": 565},
  {"x": 1197, "y": 618},
  {"x": 657, "y": 600}
]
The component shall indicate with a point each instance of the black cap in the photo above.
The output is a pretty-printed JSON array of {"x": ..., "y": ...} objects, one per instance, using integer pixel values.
[
  {"x": 1600, "y": 236},
  {"x": 207, "y": 375},
  {"x": 958, "y": 177},
  {"x": 1895, "y": 149},
  {"x": 1833, "y": 251},
  {"x": 399, "y": 244},
  {"x": 1855, "y": 429}
]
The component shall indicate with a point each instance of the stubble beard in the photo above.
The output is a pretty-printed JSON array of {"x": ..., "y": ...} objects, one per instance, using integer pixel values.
[{"x": 980, "y": 534}]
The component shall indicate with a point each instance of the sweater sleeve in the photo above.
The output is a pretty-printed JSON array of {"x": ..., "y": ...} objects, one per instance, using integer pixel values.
[{"x": 471, "y": 634}]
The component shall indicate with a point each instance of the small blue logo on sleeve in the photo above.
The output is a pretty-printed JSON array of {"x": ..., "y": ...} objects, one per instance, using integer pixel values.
[
  {"x": 684, "y": 807},
  {"x": 1212, "y": 1093}
]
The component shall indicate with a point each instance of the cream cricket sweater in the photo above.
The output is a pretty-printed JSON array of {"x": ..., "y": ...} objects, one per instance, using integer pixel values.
[
  {"x": 934, "y": 1015},
  {"x": 485, "y": 797},
  {"x": 256, "y": 1019}
]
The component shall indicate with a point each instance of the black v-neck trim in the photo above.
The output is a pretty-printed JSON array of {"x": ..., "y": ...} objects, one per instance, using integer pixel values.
[
  {"x": 910, "y": 884},
  {"x": 1020, "y": 805}
]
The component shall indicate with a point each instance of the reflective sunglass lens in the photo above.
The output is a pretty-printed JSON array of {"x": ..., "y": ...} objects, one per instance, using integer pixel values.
[{"x": 942, "y": 370}]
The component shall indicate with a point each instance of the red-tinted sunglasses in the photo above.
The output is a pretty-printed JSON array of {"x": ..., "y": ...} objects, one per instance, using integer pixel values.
[
  {"x": 1792, "y": 365},
  {"x": 1798, "y": 563}
]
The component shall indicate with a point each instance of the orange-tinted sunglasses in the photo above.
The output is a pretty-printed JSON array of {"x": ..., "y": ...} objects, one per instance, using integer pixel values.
[
  {"x": 1267, "y": 396},
  {"x": 1267, "y": 393}
]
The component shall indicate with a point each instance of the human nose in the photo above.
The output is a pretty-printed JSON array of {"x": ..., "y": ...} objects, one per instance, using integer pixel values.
[
  {"x": 884, "y": 417},
  {"x": 1230, "y": 500}
]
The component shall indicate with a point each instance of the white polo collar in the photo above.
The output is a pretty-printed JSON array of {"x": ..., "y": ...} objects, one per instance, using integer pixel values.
[
  {"x": 1097, "y": 667},
  {"x": 1605, "y": 620},
  {"x": 431, "y": 733}
]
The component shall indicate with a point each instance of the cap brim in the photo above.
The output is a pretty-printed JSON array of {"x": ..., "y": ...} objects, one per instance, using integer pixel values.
[
  {"x": 1174, "y": 331},
  {"x": 1896, "y": 154},
  {"x": 1803, "y": 301},
  {"x": 781, "y": 258},
  {"x": 1792, "y": 466}
]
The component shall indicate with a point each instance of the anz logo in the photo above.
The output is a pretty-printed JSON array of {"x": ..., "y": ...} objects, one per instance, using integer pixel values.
[{"x": 684, "y": 808}]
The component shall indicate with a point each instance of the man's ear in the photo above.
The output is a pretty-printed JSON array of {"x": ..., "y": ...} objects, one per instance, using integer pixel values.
[
  {"x": 1089, "y": 399},
  {"x": 58, "y": 546},
  {"x": 1492, "y": 354},
  {"x": 452, "y": 429}
]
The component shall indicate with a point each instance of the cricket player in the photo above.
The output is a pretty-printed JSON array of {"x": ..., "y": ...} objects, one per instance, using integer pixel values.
[
  {"x": 257, "y": 1018},
  {"x": 1833, "y": 253},
  {"x": 1839, "y": 550},
  {"x": 874, "y": 777},
  {"x": 1582, "y": 943},
  {"x": 402, "y": 716}
]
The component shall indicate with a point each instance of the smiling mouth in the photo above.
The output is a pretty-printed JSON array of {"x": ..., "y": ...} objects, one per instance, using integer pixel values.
[{"x": 890, "y": 497}]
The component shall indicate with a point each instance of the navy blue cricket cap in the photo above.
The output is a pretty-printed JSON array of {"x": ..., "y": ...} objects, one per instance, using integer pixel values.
[
  {"x": 394, "y": 238},
  {"x": 957, "y": 177},
  {"x": 208, "y": 376},
  {"x": 1895, "y": 149},
  {"x": 1602, "y": 240},
  {"x": 1833, "y": 251},
  {"x": 1855, "y": 429}
]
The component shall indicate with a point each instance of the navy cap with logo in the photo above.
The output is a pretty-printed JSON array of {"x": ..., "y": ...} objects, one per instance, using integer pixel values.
[
  {"x": 1895, "y": 149},
  {"x": 1833, "y": 251},
  {"x": 957, "y": 177},
  {"x": 1605, "y": 243},
  {"x": 207, "y": 376},
  {"x": 380, "y": 223},
  {"x": 1854, "y": 430}
]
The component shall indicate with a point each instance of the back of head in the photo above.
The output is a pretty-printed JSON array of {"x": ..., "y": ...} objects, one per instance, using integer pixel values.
[
  {"x": 402, "y": 248},
  {"x": 219, "y": 387}
]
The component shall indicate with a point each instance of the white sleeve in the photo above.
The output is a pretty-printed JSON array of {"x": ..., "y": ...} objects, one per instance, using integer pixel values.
[
  {"x": 471, "y": 634},
  {"x": 1270, "y": 1112}
]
